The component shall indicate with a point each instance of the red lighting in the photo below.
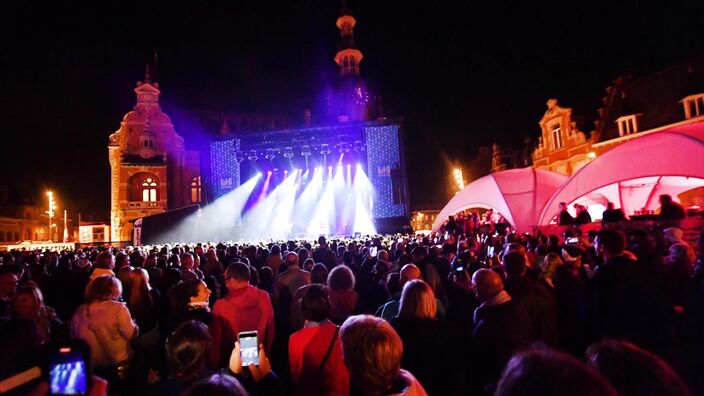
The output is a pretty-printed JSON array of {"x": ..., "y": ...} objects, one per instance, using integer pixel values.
[{"x": 64, "y": 350}]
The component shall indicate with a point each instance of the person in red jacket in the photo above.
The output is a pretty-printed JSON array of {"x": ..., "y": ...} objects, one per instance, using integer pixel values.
[
  {"x": 315, "y": 352},
  {"x": 245, "y": 308}
]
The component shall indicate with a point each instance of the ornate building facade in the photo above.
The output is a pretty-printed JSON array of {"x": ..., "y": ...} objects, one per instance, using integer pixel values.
[
  {"x": 632, "y": 107},
  {"x": 151, "y": 170}
]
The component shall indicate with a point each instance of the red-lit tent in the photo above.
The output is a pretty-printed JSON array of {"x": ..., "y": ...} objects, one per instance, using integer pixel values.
[
  {"x": 517, "y": 194},
  {"x": 633, "y": 174}
]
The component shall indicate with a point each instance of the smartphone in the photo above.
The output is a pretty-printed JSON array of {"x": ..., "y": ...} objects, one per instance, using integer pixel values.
[
  {"x": 372, "y": 251},
  {"x": 572, "y": 240},
  {"x": 249, "y": 348},
  {"x": 68, "y": 370},
  {"x": 490, "y": 251}
]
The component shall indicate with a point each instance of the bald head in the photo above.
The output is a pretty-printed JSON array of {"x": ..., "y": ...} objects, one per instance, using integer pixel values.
[
  {"x": 409, "y": 272},
  {"x": 486, "y": 284}
]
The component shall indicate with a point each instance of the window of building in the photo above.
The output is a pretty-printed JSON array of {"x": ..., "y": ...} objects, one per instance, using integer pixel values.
[
  {"x": 556, "y": 137},
  {"x": 149, "y": 187},
  {"x": 2, "y": 236},
  {"x": 693, "y": 106},
  {"x": 627, "y": 125},
  {"x": 196, "y": 190}
]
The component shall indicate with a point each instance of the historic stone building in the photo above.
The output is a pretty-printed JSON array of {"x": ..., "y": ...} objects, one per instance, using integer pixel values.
[
  {"x": 632, "y": 107},
  {"x": 151, "y": 170}
]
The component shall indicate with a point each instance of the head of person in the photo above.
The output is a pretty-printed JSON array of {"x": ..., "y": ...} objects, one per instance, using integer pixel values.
[
  {"x": 634, "y": 371},
  {"x": 103, "y": 288},
  {"x": 187, "y": 261},
  {"x": 322, "y": 242},
  {"x": 188, "y": 349},
  {"x": 217, "y": 385},
  {"x": 419, "y": 254},
  {"x": 308, "y": 264},
  {"x": 27, "y": 302},
  {"x": 236, "y": 276},
  {"x": 192, "y": 291},
  {"x": 341, "y": 278},
  {"x": 372, "y": 352},
  {"x": 393, "y": 283},
  {"x": 563, "y": 206},
  {"x": 673, "y": 234},
  {"x": 319, "y": 274},
  {"x": 275, "y": 250},
  {"x": 515, "y": 264},
  {"x": 409, "y": 272},
  {"x": 292, "y": 260},
  {"x": 665, "y": 199},
  {"x": 266, "y": 278},
  {"x": 418, "y": 301},
  {"x": 610, "y": 206},
  {"x": 548, "y": 266},
  {"x": 105, "y": 260},
  {"x": 122, "y": 259},
  {"x": 8, "y": 284},
  {"x": 548, "y": 372},
  {"x": 609, "y": 243},
  {"x": 487, "y": 284},
  {"x": 679, "y": 252},
  {"x": 315, "y": 304}
]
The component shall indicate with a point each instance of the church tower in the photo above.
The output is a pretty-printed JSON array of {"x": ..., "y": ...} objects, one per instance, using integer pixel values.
[
  {"x": 150, "y": 169},
  {"x": 352, "y": 101}
]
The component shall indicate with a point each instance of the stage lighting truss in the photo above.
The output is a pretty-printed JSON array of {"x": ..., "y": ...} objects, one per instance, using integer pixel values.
[
  {"x": 239, "y": 156},
  {"x": 288, "y": 152},
  {"x": 270, "y": 154},
  {"x": 305, "y": 151},
  {"x": 344, "y": 148},
  {"x": 324, "y": 149},
  {"x": 252, "y": 156},
  {"x": 358, "y": 146}
]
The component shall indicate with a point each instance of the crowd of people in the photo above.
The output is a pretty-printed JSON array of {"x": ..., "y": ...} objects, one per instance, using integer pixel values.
[{"x": 465, "y": 311}]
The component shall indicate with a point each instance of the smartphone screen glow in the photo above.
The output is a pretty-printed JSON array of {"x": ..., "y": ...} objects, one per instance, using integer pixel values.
[{"x": 249, "y": 350}]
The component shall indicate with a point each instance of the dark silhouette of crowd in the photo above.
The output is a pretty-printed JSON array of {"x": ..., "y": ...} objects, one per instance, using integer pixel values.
[{"x": 465, "y": 311}]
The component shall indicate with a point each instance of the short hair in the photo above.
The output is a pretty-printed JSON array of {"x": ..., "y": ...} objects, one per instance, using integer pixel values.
[
  {"x": 515, "y": 264},
  {"x": 104, "y": 260},
  {"x": 238, "y": 270},
  {"x": 276, "y": 249},
  {"x": 613, "y": 241},
  {"x": 341, "y": 278},
  {"x": 549, "y": 265},
  {"x": 217, "y": 385},
  {"x": 315, "y": 304},
  {"x": 188, "y": 349},
  {"x": 548, "y": 372},
  {"x": 319, "y": 274},
  {"x": 665, "y": 198},
  {"x": 418, "y": 301},
  {"x": 181, "y": 293},
  {"x": 634, "y": 371},
  {"x": 372, "y": 352},
  {"x": 103, "y": 288}
]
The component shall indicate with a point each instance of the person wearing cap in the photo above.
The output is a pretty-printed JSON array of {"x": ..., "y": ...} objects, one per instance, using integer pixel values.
[{"x": 245, "y": 308}]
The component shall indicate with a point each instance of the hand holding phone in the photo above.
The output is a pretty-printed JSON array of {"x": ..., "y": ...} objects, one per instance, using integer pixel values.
[{"x": 249, "y": 348}]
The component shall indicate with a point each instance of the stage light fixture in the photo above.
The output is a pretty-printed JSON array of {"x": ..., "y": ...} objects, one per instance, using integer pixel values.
[
  {"x": 270, "y": 154},
  {"x": 358, "y": 146},
  {"x": 344, "y": 148},
  {"x": 324, "y": 149},
  {"x": 252, "y": 156},
  {"x": 288, "y": 152},
  {"x": 305, "y": 151},
  {"x": 239, "y": 156}
]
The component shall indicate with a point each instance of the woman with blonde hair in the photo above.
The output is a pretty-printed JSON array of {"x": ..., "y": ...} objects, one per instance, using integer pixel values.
[
  {"x": 372, "y": 352},
  {"x": 431, "y": 345},
  {"x": 548, "y": 266},
  {"x": 107, "y": 326},
  {"x": 143, "y": 302}
]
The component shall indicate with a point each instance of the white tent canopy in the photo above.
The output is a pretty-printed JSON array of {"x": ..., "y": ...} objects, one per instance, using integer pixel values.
[
  {"x": 633, "y": 174},
  {"x": 517, "y": 194}
]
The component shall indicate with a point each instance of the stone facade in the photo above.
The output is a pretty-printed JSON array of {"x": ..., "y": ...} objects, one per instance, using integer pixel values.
[{"x": 151, "y": 170}]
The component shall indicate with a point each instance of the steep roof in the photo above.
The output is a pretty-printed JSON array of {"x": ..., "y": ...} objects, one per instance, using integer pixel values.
[{"x": 655, "y": 97}]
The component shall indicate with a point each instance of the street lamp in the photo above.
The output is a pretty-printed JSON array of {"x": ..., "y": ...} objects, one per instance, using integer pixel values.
[
  {"x": 50, "y": 212},
  {"x": 459, "y": 179}
]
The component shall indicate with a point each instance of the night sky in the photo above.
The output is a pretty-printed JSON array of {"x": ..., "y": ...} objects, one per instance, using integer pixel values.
[{"x": 461, "y": 75}]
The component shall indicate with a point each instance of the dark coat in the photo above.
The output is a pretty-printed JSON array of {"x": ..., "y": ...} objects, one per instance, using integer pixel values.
[
  {"x": 501, "y": 331},
  {"x": 540, "y": 305},
  {"x": 432, "y": 347}
]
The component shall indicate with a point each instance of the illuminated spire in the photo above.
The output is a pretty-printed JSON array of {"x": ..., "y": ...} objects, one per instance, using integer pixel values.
[{"x": 348, "y": 55}]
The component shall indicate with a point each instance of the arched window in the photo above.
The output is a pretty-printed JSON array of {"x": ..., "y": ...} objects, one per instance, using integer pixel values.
[
  {"x": 17, "y": 237},
  {"x": 2, "y": 236},
  {"x": 195, "y": 190},
  {"x": 149, "y": 187}
]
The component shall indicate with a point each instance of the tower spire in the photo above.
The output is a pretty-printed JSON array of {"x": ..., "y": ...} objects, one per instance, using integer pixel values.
[
  {"x": 147, "y": 75},
  {"x": 348, "y": 55}
]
